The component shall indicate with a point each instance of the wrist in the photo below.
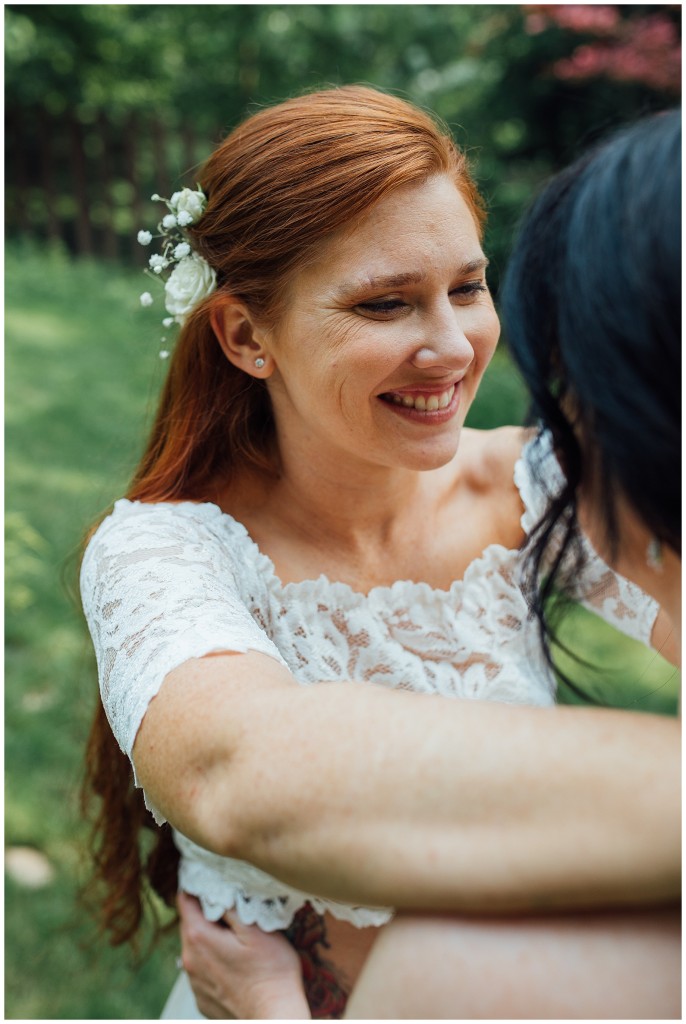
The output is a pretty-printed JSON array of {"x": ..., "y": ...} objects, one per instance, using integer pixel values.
[{"x": 291, "y": 1006}]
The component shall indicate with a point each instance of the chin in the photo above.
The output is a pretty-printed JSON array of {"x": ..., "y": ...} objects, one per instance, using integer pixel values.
[{"x": 431, "y": 456}]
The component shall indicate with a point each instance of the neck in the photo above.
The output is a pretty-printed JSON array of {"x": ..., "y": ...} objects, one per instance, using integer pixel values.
[{"x": 347, "y": 501}]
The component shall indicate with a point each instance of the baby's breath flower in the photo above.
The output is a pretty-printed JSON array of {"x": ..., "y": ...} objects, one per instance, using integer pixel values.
[
  {"x": 191, "y": 278},
  {"x": 158, "y": 263},
  {"x": 188, "y": 202}
]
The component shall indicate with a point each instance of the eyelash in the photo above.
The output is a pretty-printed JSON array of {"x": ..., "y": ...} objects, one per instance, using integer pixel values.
[{"x": 391, "y": 305}]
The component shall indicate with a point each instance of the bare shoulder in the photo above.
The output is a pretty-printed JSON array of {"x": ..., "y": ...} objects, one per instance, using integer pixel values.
[{"x": 489, "y": 457}]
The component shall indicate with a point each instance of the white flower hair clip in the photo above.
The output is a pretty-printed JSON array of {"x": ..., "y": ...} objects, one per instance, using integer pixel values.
[{"x": 192, "y": 278}]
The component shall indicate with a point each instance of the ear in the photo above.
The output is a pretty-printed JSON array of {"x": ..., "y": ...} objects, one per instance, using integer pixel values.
[{"x": 242, "y": 342}]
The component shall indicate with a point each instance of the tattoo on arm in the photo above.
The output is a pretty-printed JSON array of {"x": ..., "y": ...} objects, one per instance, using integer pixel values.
[{"x": 326, "y": 990}]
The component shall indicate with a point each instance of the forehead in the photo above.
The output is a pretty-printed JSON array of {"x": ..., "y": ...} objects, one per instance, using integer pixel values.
[{"x": 417, "y": 228}]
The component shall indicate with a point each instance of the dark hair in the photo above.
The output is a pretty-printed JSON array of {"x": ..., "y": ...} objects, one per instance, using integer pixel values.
[{"x": 592, "y": 311}]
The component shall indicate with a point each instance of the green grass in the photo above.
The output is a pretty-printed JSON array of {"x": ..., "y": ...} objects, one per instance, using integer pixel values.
[{"x": 82, "y": 376}]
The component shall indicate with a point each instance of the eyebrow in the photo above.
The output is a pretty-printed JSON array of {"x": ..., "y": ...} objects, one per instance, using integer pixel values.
[{"x": 390, "y": 281}]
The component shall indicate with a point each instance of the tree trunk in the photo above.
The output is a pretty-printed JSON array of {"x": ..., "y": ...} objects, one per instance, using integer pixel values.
[
  {"x": 159, "y": 157},
  {"x": 17, "y": 174},
  {"x": 84, "y": 236},
  {"x": 132, "y": 174},
  {"x": 105, "y": 159},
  {"x": 46, "y": 130}
]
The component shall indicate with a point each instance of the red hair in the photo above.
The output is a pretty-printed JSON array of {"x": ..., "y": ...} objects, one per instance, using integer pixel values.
[{"x": 279, "y": 184}]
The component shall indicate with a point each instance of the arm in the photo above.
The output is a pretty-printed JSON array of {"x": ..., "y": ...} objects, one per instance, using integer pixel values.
[
  {"x": 414, "y": 801},
  {"x": 574, "y": 966}
]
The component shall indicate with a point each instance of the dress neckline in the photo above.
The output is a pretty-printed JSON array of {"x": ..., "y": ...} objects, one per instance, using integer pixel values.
[{"x": 322, "y": 586}]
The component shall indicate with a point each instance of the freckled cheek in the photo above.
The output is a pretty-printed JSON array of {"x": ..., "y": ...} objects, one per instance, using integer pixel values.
[
  {"x": 484, "y": 338},
  {"x": 359, "y": 357}
]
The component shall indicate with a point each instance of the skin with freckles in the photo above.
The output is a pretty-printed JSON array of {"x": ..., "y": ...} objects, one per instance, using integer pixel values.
[
  {"x": 371, "y": 371},
  {"x": 354, "y": 332},
  {"x": 398, "y": 305}
]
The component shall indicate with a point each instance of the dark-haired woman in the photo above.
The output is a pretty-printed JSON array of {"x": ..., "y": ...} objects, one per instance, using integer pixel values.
[
  {"x": 293, "y": 522},
  {"x": 592, "y": 304}
]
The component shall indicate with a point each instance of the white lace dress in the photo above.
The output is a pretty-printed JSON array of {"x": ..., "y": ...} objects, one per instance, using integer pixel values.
[{"x": 162, "y": 583}]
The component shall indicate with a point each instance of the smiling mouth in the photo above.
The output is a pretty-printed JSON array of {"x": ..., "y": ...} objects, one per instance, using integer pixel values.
[{"x": 422, "y": 401}]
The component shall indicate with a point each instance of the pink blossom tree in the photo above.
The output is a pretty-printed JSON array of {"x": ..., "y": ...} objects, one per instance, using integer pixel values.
[{"x": 635, "y": 47}]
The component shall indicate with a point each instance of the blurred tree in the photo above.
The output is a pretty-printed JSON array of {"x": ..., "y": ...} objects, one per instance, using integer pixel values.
[
  {"x": 107, "y": 103},
  {"x": 640, "y": 47}
]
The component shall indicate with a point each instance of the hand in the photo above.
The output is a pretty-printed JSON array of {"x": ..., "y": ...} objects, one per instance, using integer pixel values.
[{"x": 239, "y": 972}]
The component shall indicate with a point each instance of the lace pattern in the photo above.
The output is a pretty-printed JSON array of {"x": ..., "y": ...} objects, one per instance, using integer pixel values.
[
  {"x": 603, "y": 591},
  {"x": 166, "y": 582}
]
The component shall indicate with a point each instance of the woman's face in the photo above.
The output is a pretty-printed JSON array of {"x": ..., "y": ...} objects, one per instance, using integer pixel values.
[{"x": 386, "y": 334}]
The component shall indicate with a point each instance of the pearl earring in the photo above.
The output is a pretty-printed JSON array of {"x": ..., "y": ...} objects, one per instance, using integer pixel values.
[{"x": 259, "y": 362}]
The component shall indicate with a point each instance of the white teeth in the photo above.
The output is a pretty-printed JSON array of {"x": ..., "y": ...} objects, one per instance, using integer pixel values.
[
  {"x": 424, "y": 403},
  {"x": 446, "y": 398}
]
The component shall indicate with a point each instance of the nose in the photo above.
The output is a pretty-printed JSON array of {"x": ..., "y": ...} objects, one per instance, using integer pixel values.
[{"x": 444, "y": 345}]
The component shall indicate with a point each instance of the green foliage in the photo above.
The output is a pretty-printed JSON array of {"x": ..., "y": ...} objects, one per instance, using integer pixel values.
[{"x": 206, "y": 66}]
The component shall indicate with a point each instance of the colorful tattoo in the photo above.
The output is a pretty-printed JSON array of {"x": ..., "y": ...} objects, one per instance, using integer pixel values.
[{"x": 324, "y": 985}]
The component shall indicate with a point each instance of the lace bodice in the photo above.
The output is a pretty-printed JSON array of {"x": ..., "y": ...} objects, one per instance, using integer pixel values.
[{"x": 163, "y": 583}]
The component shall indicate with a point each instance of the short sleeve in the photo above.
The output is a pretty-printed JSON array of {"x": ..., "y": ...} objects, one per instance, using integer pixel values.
[
  {"x": 597, "y": 586},
  {"x": 158, "y": 588}
]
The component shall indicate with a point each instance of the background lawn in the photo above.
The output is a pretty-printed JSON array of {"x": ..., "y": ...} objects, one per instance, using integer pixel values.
[{"x": 82, "y": 376}]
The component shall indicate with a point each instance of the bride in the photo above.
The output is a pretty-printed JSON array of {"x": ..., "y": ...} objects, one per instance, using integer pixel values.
[{"x": 310, "y": 510}]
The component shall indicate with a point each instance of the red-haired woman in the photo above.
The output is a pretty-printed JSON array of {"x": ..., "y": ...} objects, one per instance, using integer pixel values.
[{"x": 302, "y": 515}]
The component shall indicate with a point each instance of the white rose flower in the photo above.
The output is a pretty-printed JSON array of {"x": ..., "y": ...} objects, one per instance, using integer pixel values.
[
  {"x": 169, "y": 221},
  {"x": 183, "y": 249},
  {"x": 146, "y": 299},
  {"x": 144, "y": 237},
  {"x": 188, "y": 202},
  {"x": 190, "y": 281}
]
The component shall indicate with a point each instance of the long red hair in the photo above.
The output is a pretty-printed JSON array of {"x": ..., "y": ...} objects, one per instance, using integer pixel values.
[{"x": 280, "y": 183}]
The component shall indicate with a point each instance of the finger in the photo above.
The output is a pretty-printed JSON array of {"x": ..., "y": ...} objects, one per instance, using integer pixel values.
[
  {"x": 189, "y": 907},
  {"x": 243, "y": 932},
  {"x": 231, "y": 919},
  {"x": 198, "y": 935}
]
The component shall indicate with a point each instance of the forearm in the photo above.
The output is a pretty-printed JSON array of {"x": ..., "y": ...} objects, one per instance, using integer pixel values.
[
  {"x": 374, "y": 797},
  {"x": 470, "y": 806}
]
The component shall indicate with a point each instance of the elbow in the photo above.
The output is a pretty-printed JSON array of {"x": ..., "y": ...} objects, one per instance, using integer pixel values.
[{"x": 223, "y": 812}]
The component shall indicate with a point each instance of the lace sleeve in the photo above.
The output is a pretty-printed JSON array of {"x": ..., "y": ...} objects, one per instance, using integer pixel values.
[
  {"x": 599, "y": 588},
  {"x": 157, "y": 589}
]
